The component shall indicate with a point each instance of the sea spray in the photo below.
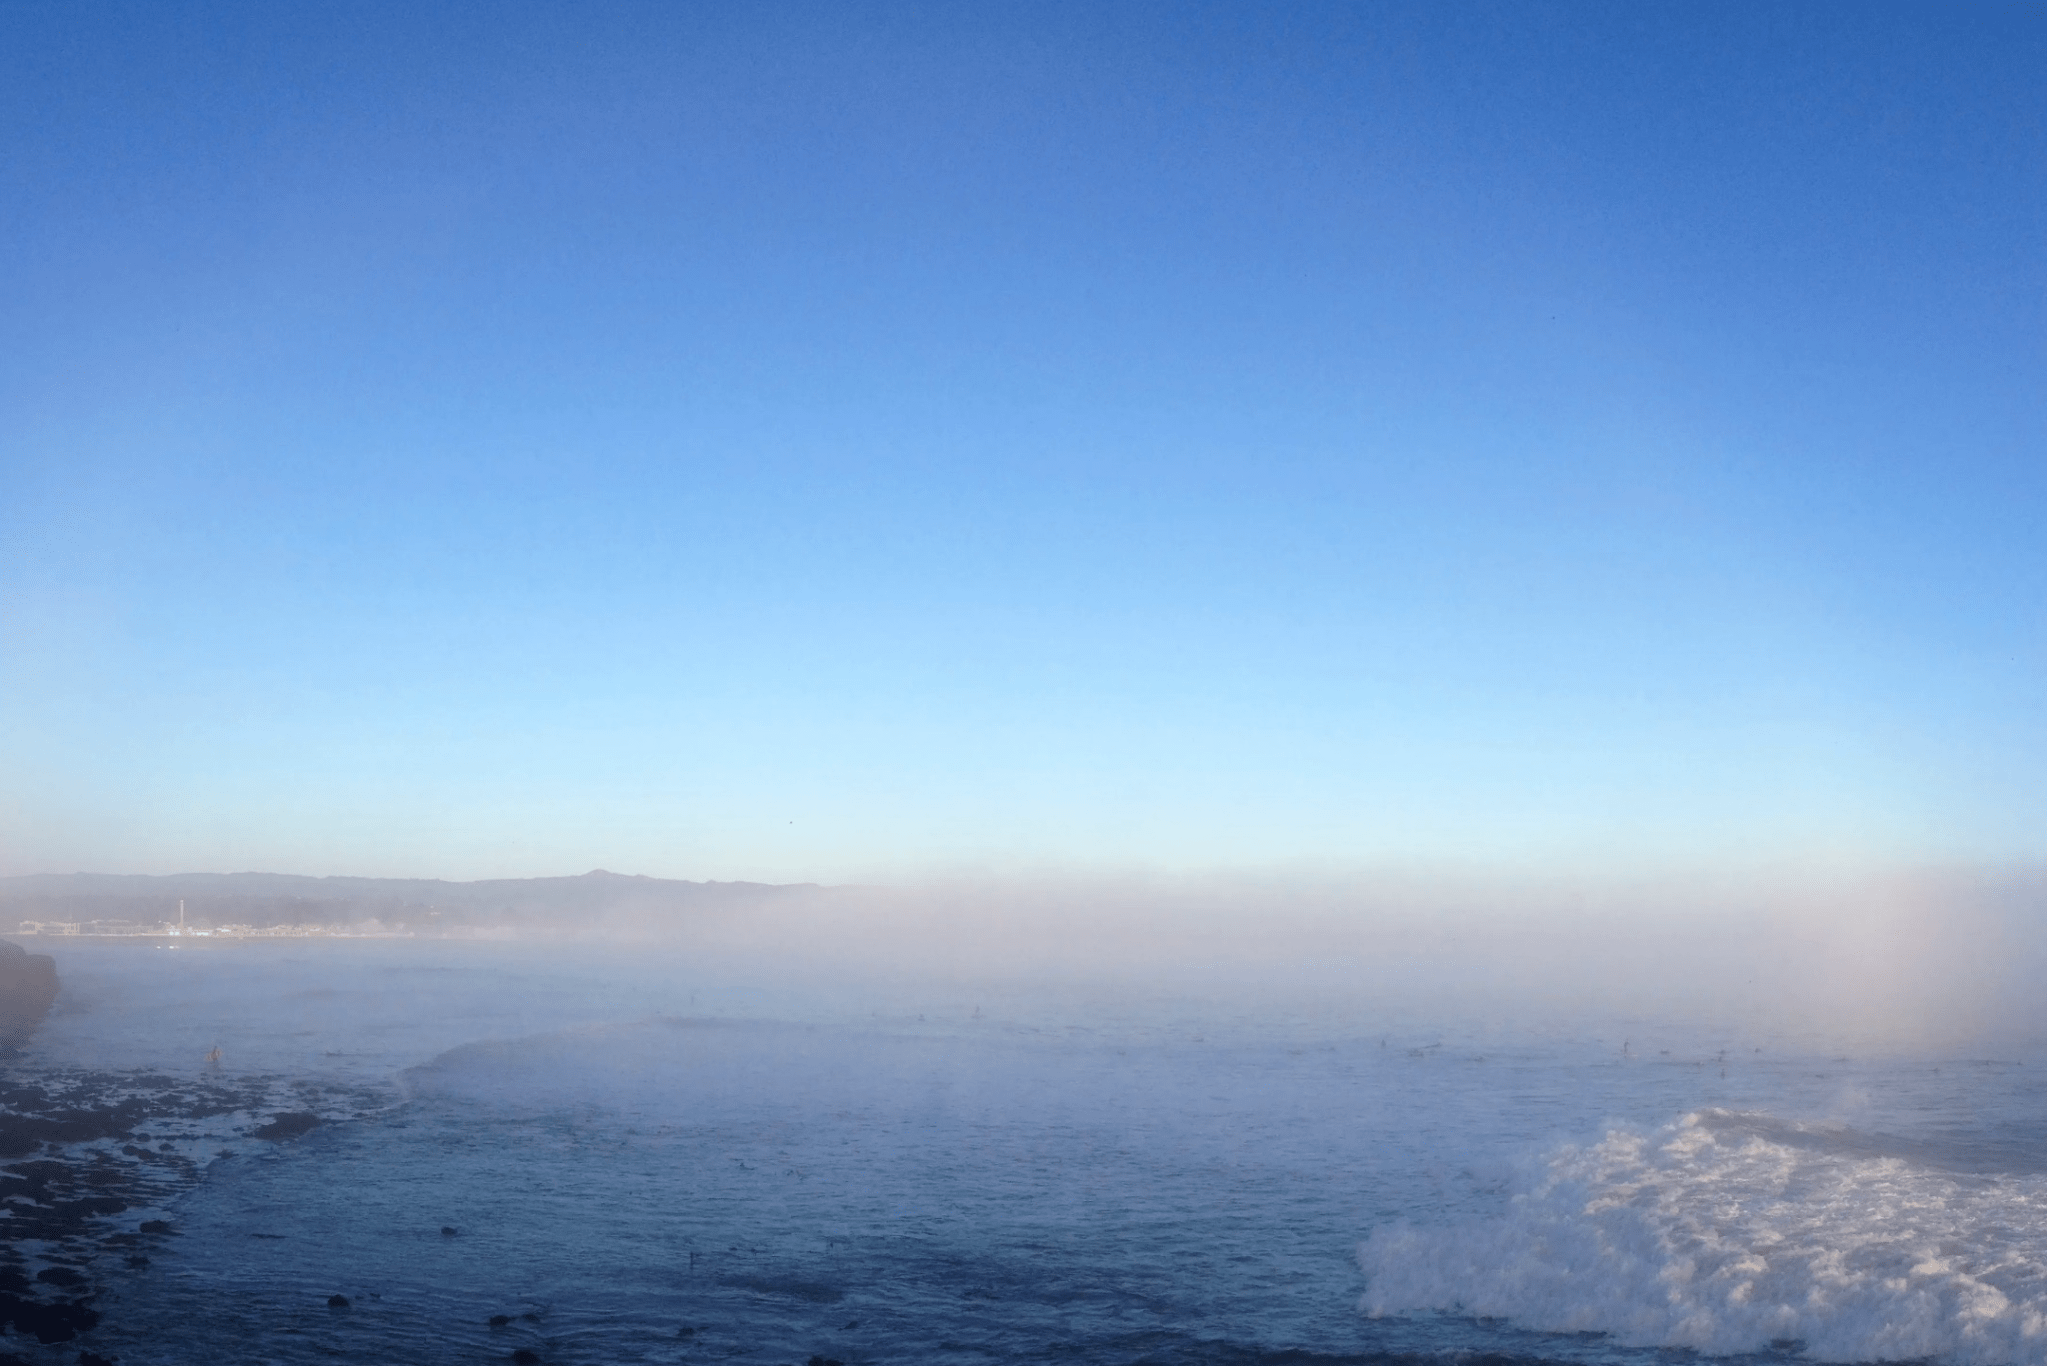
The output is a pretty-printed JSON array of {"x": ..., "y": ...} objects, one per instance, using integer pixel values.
[{"x": 1728, "y": 1233}]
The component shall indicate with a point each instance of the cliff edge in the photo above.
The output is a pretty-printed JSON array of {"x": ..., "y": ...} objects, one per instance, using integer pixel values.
[{"x": 28, "y": 986}]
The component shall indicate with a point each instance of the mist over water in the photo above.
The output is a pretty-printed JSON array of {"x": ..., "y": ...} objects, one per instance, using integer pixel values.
[
  {"x": 1898, "y": 962},
  {"x": 1190, "y": 1123}
]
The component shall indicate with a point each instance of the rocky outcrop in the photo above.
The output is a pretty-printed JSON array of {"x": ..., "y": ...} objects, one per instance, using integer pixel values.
[
  {"x": 28, "y": 986},
  {"x": 289, "y": 1125}
]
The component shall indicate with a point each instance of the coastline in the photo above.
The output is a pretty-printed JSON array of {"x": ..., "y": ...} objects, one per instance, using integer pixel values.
[
  {"x": 93, "y": 1161},
  {"x": 92, "y": 1165}
]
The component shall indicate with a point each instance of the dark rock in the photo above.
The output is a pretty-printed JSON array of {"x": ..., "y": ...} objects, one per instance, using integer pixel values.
[
  {"x": 447, "y": 1232},
  {"x": 47, "y": 1322},
  {"x": 50, "y": 1127},
  {"x": 337, "y": 1301},
  {"x": 65, "y": 1205},
  {"x": 28, "y": 987},
  {"x": 289, "y": 1125},
  {"x": 815, "y": 1292}
]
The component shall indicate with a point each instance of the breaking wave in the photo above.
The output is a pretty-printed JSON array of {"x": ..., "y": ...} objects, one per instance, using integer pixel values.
[{"x": 1739, "y": 1232}]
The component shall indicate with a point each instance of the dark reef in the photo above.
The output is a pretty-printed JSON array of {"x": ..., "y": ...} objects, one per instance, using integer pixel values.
[
  {"x": 86, "y": 1156},
  {"x": 289, "y": 1125},
  {"x": 75, "y": 1174}
]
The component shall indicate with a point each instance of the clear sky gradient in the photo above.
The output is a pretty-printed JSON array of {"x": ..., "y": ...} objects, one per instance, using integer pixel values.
[{"x": 832, "y": 441}]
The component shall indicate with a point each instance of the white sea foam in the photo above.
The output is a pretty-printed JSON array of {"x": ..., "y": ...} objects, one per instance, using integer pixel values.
[{"x": 1729, "y": 1232}]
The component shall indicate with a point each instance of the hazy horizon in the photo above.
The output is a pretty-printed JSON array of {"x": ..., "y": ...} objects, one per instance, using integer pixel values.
[{"x": 1928, "y": 960}]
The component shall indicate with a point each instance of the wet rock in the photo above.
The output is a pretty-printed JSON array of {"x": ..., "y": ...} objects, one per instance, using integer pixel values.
[
  {"x": 47, "y": 1323},
  {"x": 61, "y": 1190},
  {"x": 28, "y": 987},
  {"x": 48, "y": 1128},
  {"x": 337, "y": 1301},
  {"x": 816, "y": 1292},
  {"x": 289, "y": 1125}
]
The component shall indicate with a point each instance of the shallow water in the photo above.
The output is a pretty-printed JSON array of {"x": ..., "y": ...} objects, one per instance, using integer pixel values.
[{"x": 651, "y": 1159}]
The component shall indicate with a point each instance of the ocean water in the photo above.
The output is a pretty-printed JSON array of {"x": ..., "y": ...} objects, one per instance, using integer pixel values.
[{"x": 647, "y": 1157}]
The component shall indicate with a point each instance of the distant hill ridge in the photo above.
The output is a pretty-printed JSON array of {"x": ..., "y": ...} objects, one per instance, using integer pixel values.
[{"x": 290, "y": 898}]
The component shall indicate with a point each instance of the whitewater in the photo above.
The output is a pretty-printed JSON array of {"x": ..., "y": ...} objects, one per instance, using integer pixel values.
[{"x": 588, "y": 1155}]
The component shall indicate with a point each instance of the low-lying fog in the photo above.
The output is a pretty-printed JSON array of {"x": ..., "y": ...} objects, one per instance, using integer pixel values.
[
  {"x": 875, "y": 1123},
  {"x": 1898, "y": 962},
  {"x": 1930, "y": 961}
]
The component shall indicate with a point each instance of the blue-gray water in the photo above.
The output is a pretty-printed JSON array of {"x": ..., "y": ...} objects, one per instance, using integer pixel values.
[{"x": 647, "y": 1160}]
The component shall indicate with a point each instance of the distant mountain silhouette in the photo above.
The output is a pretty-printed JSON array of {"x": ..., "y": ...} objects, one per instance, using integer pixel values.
[{"x": 587, "y": 901}]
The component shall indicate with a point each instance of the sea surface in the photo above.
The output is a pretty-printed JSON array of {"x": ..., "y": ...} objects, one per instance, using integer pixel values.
[{"x": 591, "y": 1155}]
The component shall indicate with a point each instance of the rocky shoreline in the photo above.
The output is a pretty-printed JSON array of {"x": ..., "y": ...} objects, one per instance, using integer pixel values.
[{"x": 91, "y": 1163}]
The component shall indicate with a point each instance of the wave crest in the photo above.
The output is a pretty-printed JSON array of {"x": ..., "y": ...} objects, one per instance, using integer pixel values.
[{"x": 1728, "y": 1233}]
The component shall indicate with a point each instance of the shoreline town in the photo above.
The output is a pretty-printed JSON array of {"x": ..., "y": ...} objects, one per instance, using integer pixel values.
[{"x": 178, "y": 929}]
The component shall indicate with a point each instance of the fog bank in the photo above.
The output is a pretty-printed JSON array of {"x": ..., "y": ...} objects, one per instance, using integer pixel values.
[{"x": 1928, "y": 959}]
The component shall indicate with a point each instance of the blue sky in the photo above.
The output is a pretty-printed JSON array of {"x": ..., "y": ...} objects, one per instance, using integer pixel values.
[{"x": 829, "y": 441}]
